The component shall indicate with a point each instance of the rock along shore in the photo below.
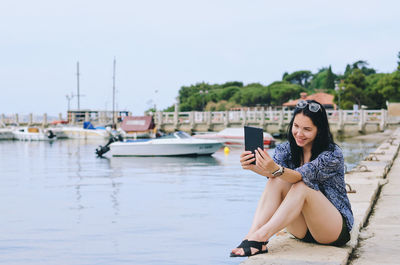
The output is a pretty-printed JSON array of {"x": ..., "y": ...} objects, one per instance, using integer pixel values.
[{"x": 367, "y": 179}]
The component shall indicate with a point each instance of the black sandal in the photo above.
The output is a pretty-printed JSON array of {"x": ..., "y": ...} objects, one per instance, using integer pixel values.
[{"x": 247, "y": 245}]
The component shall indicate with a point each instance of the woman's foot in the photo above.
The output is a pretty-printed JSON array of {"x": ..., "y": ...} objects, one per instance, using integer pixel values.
[
  {"x": 250, "y": 248},
  {"x": 252, "y": 245}
]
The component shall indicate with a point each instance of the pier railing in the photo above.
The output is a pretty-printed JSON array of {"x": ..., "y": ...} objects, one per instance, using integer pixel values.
[
  {"x": 277, "y": 120},
  {"x": 271, "y": 120},
  {"x": 72, "y": 118}
]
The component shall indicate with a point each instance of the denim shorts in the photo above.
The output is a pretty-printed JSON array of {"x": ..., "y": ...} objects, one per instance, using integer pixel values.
[{"x": 343, "y": 238}]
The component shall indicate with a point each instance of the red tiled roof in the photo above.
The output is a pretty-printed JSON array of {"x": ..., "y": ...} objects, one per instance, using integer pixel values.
[{"x": 323, "y": 98}]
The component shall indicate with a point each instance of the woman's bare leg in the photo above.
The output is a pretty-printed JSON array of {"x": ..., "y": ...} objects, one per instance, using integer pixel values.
[
  {"x": 272, "y": 196},
  {"x": 322, "y": 218}
]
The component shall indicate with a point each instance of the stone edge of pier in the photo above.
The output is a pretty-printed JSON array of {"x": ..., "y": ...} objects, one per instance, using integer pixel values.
[{"x": 366, "y": 179}]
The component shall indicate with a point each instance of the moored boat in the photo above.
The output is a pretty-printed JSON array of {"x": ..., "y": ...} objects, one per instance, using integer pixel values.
[
  {"x": 235, "y": 136},
  {"x": 6, "y": 134},
  {"x": 34, "y": 134},
  {"x": 88, "y": 131},
  {"x": 174, "y": 144}
]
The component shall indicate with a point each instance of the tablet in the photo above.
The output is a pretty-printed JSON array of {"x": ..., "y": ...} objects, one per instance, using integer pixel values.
[{"x": 253, "y": 138}]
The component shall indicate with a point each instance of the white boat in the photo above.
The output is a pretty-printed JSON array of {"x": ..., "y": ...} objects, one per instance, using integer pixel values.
[
  {"x": 6, "y": 134},
  {"x": 175, "y": 144},
  {"x": 234, "y": 136},
  {"x": 81, "y": 133},
  {"x": 88, "y": 131},
  {"x": 59, "y": 132},
  {"x": 33, "y": 134}
]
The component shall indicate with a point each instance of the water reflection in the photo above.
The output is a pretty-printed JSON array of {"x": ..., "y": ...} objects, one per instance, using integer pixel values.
[
  {"x": 155, "y": 163},
  {"x": 355, "y": 150}
]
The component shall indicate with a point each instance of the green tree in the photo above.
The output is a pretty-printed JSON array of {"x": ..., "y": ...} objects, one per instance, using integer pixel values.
[
  {"x": 329, "y": 82},
  {"x": 196, "y": 102},
  {"x": 398, "y": 62},
  {"x": 254, "y": 85},
  {"x": 359, "y": 64},
  {"x": 347, "y": 71},
  {"x": 362, "y": 65},
  {"x": 214, "y": 95},
  {"x": 354, "y": 92},
  {"x": 169, "y": 109},
  {"x": 318, "y": 79},
  {"x": 252, "y": 95},
  {"x": 389, "y": 86},
  {"x": 375, "y": 98},
  {"x": 301, "y": 78},
  {"x": 185, "y": 92},
  {"x": 282, "y": 92},
  {"x": 233, "y": 83},
  {"x": 228, "y": 92}
]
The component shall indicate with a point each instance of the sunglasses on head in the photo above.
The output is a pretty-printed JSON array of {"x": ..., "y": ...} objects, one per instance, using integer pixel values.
[{"x": 313, "y": 107}]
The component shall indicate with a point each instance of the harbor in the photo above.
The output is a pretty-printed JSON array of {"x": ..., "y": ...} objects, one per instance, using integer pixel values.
[{"x": 66, "y": 206}]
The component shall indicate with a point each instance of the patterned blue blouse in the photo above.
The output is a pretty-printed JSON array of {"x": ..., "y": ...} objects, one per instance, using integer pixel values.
[{"x": 325, "y": 173}]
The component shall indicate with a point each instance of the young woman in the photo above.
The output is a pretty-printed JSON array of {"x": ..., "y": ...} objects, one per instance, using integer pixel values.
[{"x": 305, "y": 192}]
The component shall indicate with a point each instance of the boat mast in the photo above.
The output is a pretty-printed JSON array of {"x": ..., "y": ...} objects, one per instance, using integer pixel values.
[
  {"x": 77, "y": 79},
  {"x": 113, "y": 112}
]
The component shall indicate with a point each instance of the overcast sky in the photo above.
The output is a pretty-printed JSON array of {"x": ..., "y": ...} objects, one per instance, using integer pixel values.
[{"x": 162, "y": 45}]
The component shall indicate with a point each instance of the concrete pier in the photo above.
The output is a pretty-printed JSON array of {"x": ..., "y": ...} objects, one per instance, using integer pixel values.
[
  {"x": 375, "y": 243},
  {"x": 379, "y": 241}
]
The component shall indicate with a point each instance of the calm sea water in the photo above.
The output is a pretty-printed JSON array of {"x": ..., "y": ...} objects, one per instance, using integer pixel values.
[{"x": 62, "y": 205}]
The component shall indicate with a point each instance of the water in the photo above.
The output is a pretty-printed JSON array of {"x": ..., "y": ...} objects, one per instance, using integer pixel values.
[{"x": 62, "y": 205}]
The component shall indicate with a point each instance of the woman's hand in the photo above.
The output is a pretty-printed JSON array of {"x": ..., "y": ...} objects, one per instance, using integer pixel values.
[
  {"x": 246, "y": 158},
  {"x": 265, "y": 162}
]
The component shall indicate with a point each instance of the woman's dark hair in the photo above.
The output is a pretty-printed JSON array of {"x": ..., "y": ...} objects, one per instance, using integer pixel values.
[{"x": 323, "y": 140}]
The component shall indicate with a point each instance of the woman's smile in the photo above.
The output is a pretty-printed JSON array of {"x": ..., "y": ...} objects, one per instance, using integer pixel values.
[{"x": 300, "y": 141}]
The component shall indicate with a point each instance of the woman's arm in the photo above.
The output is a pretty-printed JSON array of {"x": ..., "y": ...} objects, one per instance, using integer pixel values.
[{"x": 267, "y": 165}]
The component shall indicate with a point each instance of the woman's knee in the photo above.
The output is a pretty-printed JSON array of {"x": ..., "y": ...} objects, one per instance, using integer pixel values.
[
  {"x": 300, "y": 187},
  {"x": 278, "y": 184}
]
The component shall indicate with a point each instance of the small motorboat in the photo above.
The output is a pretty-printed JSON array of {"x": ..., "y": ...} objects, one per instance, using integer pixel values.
[
  {"x": 174, "y": 144},
  {"x": 88, "y": 131},
  {"x": 6, "y": 134},
  {"x": 34, "y": 134},
  {"x": 235, "y": 136}
]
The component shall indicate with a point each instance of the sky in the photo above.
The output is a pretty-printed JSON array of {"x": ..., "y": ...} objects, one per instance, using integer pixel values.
[{"x": 160, "y": 46}]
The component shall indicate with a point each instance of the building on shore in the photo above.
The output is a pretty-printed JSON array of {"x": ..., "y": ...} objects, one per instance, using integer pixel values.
[{"x": 324, "y": 98}]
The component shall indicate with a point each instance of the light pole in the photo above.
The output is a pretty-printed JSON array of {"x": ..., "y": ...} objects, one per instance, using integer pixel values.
[
  {"x": 69, "y": 97},
  {"x": 338, "y": 89},
  {"x": 155, "y": 100},
  {"x": 177, "y": 104}
]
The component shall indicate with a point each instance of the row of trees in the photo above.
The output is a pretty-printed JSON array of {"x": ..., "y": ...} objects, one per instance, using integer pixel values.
[{"x": 359, "y": 85}]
